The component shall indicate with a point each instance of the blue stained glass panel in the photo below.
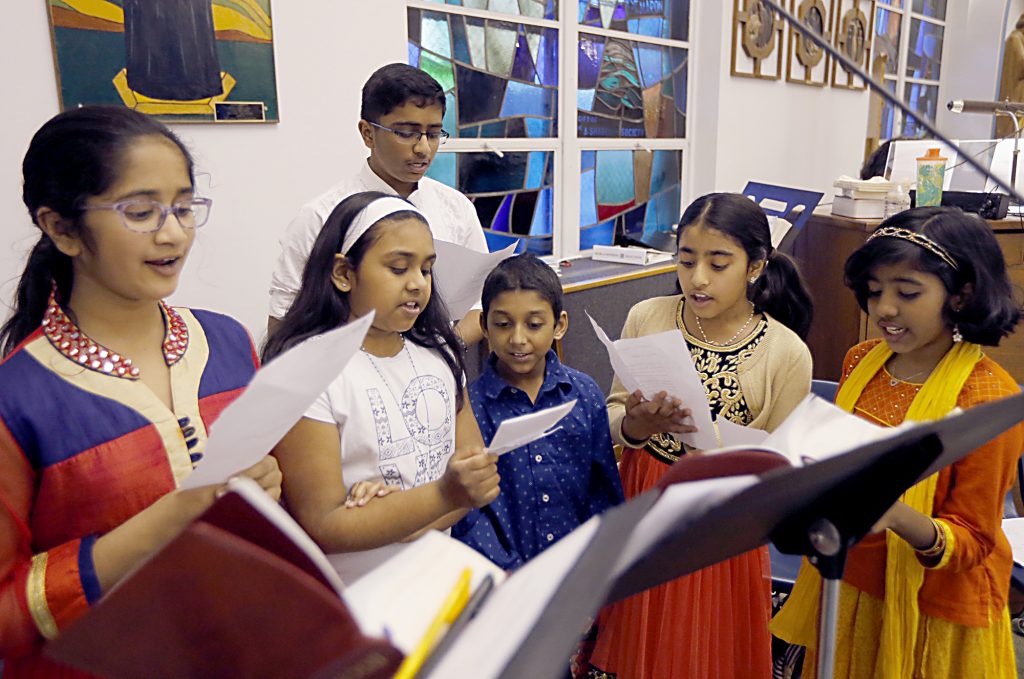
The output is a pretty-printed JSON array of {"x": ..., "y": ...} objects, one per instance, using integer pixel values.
[
  {"x": 654, "y": 18},
  {"x": 513, "y": 195},
  {"x": 924, "y": 55},
  {"x": 529, "y": 100},
  {"x": 537, "y": 9},
  {"x": 508, "y": 71},
  {"x": 637, "y": 192},
  {"x": 640, "y": 89}
]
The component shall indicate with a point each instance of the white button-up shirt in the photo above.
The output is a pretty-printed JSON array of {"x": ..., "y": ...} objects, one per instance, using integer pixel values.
[{"x": 451, "y": 215}]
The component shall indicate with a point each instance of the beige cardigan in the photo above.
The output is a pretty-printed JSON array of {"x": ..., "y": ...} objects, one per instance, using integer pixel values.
[{"x": 775, "y": 378}]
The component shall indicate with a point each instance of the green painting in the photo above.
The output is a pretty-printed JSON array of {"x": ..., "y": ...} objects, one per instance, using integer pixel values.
[{"x": 179, "y": 60}]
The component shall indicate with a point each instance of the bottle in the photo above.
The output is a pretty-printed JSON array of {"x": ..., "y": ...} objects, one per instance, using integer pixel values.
[
  {"x": 896, "y": 201},
  {"x": 930, "y": 170}
]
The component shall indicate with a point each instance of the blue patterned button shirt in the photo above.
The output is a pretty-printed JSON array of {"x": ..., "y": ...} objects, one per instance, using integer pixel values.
[{"x": 550, "y": 486}]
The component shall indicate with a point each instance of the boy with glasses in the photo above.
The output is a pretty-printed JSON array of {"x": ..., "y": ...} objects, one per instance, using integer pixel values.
[{"x": 402, "y": 110}]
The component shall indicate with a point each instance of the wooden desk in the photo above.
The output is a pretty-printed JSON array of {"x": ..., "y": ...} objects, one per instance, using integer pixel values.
[{"x": 821, "y": 249}]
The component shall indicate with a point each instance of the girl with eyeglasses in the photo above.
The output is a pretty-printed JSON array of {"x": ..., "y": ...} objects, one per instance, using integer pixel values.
[{"x": 106, "y": 392}]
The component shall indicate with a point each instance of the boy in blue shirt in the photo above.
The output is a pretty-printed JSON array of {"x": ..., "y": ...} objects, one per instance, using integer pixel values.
[{"x": 550, "y": 486}]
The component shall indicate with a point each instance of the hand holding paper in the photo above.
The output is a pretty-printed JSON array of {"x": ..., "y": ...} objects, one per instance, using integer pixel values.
[
  {"x": 461, "y": 273},
  {"x": 641, "y": 362},
  {"x": 274, "y": 401},
  {"x": 518, "y": 431}
]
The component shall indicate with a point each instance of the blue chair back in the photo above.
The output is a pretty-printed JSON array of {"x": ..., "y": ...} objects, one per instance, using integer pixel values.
[
  {"x": 825, "y": 389},
  {"x": 792, "y": 198}
]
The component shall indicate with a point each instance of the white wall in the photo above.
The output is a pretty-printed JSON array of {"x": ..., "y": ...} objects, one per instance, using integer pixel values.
[
  {"x": 771, "y": 131},
  {"x": 259, "y": 174},
  {"x": 972, "y": 62}
]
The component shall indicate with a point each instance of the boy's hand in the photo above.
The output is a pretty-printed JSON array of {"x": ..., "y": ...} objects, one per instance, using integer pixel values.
[
  {"x": 471, "y": 479},
  {"x": 662, "y": 414},
  {"x": 362, "y": 492}
]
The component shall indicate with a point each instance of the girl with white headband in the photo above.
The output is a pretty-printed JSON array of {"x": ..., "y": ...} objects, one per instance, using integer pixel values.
[
  {"x": 398, "y": 414},
  {"x": 926, "y": 595}
]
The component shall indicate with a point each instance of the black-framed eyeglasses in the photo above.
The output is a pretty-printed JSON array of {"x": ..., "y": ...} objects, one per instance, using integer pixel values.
[
  {"x": 143, "y": 215},
  {"x": 412, "y": 137}
]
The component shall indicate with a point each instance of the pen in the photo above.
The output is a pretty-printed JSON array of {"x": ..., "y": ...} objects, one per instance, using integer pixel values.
[
  {"x": 473, "y": 607},
  {"x": 449, "y": 611}
]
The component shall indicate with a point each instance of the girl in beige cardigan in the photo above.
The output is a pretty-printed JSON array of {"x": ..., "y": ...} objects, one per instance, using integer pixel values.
[{"x": 743, "y": 310}]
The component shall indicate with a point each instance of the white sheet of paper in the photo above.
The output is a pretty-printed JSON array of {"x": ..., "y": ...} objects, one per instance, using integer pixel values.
[
  {"x": 817, "y": 429},
  {"x": 640, "y": 363},
  {"x": 460, "y": 274},
  {"x": 274, "y": 401},
  {"x": 778, "y": 227},
  {"x": 488, "y": 642},
  {"x": 518, "y": 431},
  {"x": 1014, "y": 529},
  {"x": 400, "y": 598},
  {"x": 680, "y": 504},
  {"x": 737, "y": 436}
]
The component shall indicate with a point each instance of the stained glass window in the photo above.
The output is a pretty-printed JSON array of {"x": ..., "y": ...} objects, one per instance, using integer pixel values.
[
  {"x": 924, "y": 55},
  {"x": 887, "y": 39},
  {"x": 513, "y": 195},
  {"x": 924, "y": 100},
  {"x": 651, "y": 18},
  {"x": 500, "y": 79},
  {"x": 888, "y": 114},
  {"x": 537, "y": 9},
  {"x": 631, "y": 193},
  {"x": 630, "y": 89},
  {"x": 931, "y": 8}
]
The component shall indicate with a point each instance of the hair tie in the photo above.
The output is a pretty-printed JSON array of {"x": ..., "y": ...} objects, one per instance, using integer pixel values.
[{"x": 373, "y": 213}]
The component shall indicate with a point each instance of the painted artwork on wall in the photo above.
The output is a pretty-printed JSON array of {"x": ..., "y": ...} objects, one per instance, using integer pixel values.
[{"x": 179, "y": 60}]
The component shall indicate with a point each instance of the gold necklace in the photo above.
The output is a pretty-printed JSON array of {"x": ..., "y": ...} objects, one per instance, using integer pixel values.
[
  {"x": 893, "y": 380},
  {"x": 731, "y": 339}
]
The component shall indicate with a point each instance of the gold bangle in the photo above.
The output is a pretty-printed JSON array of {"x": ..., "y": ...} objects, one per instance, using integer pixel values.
[{"x": 939, "y": 546}]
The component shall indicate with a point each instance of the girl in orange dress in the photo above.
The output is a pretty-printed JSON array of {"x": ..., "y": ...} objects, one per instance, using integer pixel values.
[
  {"x": 743, "y": 311},
  {"x": 926, "y": 594}
]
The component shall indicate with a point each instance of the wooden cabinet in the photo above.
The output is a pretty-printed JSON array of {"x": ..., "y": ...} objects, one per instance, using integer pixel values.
[{"x": 821, "y": 249}]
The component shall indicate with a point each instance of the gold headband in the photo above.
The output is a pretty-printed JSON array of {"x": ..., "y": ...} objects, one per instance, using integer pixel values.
[{"x": 918, "y": 239}]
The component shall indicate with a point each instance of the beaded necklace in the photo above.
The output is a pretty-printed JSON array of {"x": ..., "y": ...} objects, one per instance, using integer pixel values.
[{"x": 423, "y": 428}]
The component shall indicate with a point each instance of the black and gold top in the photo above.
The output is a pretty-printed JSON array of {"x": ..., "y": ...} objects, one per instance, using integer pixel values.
[{"x": 718, "y": 367}]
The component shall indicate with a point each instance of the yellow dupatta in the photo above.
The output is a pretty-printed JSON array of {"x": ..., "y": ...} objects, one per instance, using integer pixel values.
[{"x": 904, "y": 574}]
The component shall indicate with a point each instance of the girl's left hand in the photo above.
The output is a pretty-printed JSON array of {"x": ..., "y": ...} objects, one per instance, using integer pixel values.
[{"x": 362, "y": 492}]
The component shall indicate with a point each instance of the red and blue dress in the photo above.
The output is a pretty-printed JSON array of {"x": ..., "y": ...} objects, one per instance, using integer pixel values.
[{"x": 84, "y": 446}]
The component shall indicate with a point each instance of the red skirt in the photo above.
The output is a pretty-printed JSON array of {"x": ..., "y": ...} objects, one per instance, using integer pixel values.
[{"x": 712, "y": 624}]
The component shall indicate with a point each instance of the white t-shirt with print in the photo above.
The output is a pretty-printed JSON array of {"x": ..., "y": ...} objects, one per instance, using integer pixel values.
[{"x": 396, "y": 416}]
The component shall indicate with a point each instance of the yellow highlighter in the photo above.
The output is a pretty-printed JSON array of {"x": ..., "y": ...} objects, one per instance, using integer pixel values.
[{"x": 450, "y": 609}]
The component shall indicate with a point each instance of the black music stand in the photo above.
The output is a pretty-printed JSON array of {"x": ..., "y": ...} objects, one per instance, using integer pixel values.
[{"x": 819, "y": 510}]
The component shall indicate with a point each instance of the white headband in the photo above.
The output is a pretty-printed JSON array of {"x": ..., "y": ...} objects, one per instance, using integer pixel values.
[{"x": 373, "y": 213}]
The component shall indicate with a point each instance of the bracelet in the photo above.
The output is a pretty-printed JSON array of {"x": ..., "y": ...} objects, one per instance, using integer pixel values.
[{"x": 938, "y": 547}]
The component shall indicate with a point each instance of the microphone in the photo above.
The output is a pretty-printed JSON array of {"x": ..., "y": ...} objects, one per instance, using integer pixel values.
[{"x": 989, "y": 107}]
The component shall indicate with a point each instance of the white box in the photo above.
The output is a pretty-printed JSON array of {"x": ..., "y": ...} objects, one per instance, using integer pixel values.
[{"x": 858, "y": 208}]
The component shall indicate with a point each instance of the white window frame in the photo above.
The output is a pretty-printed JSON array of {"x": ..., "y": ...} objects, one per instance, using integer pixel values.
[
  {"x": 567, "y": 147},
  {"x": 907, "y": 16}
]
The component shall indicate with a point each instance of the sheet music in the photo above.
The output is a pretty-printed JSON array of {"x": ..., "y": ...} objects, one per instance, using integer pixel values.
[
  {"x": 274, "y": 401},
  {"x": 518, "y": 431},
  {"x": 400, "y": 598},
  {"x": 490, "y": 640},
  {"x": 734, "y": 435},
  {"x": 642, "y": 362},
  {"x": 677, "y": 506},
  {"x": 460, "y": 274}
]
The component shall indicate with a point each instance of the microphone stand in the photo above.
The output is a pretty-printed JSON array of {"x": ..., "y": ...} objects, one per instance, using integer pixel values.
[{"x": 884, "y": 93}]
